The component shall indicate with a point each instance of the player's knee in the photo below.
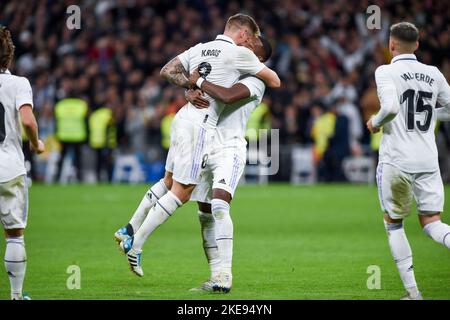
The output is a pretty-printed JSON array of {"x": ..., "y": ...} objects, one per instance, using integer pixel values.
[
  {"x": 390, "y": 220},
  {"x": 204, "y": 207},
  {"x": 426, "y": 219},
  {"x": 392, "y": 225},
  {"x": 182, "y": 192},
  {"x": 168, "y": 179},
  {"x": 13, "y": 233},
  {"x": 222, "y": 195}
]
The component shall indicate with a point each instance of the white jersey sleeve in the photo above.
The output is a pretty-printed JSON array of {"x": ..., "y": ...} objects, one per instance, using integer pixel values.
[
  {"x": 24, "y": 94},
  {"x": 387, "y": 94},
  {"x": 246, "y": 62},
  {"x": 255, "y": 86},
  {"x": 443, "y": 98},
  {"x": 186, "y": 57},
  {"x": 14, "y": 93}
]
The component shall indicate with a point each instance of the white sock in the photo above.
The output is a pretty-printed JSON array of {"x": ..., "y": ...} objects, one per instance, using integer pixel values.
[
  {"x": 157, "y": 215},
  {"x": 153, "y": 194},
  {"x": 15, "y": 264},
  {"x": 207, "y": 224},
  {"x": 224, "y": 232},
  {"x": 401, "y": 251},
  {"x": 439, "y": 232}
]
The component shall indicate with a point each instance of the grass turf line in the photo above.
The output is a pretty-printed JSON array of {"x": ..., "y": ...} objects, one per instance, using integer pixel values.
[{"x": 290, "y": 243}]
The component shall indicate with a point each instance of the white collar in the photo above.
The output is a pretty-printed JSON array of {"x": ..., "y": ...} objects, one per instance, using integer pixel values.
[
  {"x": 6, "y": 71},
  {"x": 406, "y": 56},
  {"x": 223, "y": 37}
]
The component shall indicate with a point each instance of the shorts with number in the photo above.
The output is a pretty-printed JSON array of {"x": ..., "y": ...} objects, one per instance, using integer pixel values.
[
  {"x": 14, "y": 203},
  {"x": 397, "y": 189},
  {"x": 225, "y": 166},
  {"x": 188, "y": 151}
]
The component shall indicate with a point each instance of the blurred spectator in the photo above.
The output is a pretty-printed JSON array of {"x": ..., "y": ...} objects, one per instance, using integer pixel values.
[
  {"x": 71, "y": 131},
  {"x": 103, "y": 139}
]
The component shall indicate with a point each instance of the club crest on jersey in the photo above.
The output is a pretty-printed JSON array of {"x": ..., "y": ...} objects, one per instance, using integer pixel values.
[{"x": 204, "y": 69}]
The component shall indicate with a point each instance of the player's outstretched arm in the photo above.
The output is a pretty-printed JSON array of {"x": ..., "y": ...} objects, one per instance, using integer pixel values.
[
  {"x": 31, "y": 128},
  {"x": 247, "y": 63},
  {"x": 270, "y": 77},
  {"x": 227, "y": 95},
  {"x": 175, "y": 73}
]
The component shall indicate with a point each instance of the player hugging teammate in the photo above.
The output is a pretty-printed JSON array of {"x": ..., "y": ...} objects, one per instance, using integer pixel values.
[{"x": 192, "y": 156}]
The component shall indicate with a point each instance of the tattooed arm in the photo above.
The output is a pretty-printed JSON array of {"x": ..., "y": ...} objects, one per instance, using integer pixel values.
[{"x": 175, "y": 73}]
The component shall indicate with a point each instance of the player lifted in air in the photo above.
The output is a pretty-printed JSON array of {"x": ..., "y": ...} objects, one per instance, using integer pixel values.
[
  {"x": 223, "y": 61},
  {"x": 16, "y": 99},
  {"x": 225, "y": 165},
  {"x": 408, "y": 169}
]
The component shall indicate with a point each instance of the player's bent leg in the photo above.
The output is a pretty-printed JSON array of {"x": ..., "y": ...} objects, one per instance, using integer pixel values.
[
  {"x": 207, "y": 224},
  {"x": 15, "y": 262},
  {"x": 220, "y": 208},
  {"x": 161, "y": 211},
  {"x": 429, "y": 192},
  {"x": 402, "y": 254},
  {"x": 435, "y": 228},
  {"x": 158, "y": 190}
]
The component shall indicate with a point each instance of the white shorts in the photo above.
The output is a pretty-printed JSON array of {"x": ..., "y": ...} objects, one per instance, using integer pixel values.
[
  {"x": 396, "y": 190},
  {"x": 14, "y": 203},
  {"x": 225, "y": 166},
  {"x": 187, "y": 155}
]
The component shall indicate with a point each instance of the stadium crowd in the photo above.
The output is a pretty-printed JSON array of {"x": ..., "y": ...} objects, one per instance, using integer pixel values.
[{"x": 323, "y": 52}]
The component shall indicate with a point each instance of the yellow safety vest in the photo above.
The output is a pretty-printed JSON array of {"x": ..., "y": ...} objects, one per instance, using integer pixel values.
[
  {"x": 375, "y": 140},
  {"x": 322, "y": 131},
  {"x": 256, "y": 121},
  {"x": 70, "y": 116},
  {"x": 102, "y": 131},
  {"x": 166, "y": 124}
]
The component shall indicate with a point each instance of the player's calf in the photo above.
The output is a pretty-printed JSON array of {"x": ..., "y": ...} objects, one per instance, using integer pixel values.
[
  {"x": 436, "y": 229},
  {"x": 207, "y": 223},
  {"x": 153, "y": 194},
  {"x": 402, "y": 254},
  {"x": 15, "y": 261}
]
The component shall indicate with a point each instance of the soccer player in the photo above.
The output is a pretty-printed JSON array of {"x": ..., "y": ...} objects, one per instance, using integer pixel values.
[
  {"x": 223, "y": 61},
  {"x": 15, "y": 99},
  {"x": 408, "y": 168},
  {"x": 225, "y": 165}
]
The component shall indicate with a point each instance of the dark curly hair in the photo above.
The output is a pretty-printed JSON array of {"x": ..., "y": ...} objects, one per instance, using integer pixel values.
[{"x": 6, "y": 49}]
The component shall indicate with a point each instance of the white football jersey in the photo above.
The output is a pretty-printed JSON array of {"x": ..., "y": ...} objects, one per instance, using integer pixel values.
[
  {"x": 225, "y": 63},
  {"x": 233, "y": 120},
  {"x": 408, "y": 141},
  {"x": 14, "y": 93}
]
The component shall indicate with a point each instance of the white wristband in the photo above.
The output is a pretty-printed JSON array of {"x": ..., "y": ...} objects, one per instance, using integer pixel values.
[{"x": 199, "y": 82}]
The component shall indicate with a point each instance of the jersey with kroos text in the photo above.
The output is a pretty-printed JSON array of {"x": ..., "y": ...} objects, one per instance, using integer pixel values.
[
  {"x": 408, "y": 141},
  {"x": 225, "y": 62},
  {"x": 14, "y": 93},
  {"x": 232, "y": 124}
]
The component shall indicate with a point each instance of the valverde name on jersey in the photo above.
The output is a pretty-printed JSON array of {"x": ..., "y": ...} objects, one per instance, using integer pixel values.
[{"x": 418, "y": 77}]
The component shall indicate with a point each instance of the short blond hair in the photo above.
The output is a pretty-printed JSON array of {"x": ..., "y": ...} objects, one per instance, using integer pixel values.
[{"x": 241, "y": 20}]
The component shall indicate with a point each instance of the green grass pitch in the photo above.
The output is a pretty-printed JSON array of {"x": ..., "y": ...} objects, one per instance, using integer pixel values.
[{"x": 290, "y": 243}]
